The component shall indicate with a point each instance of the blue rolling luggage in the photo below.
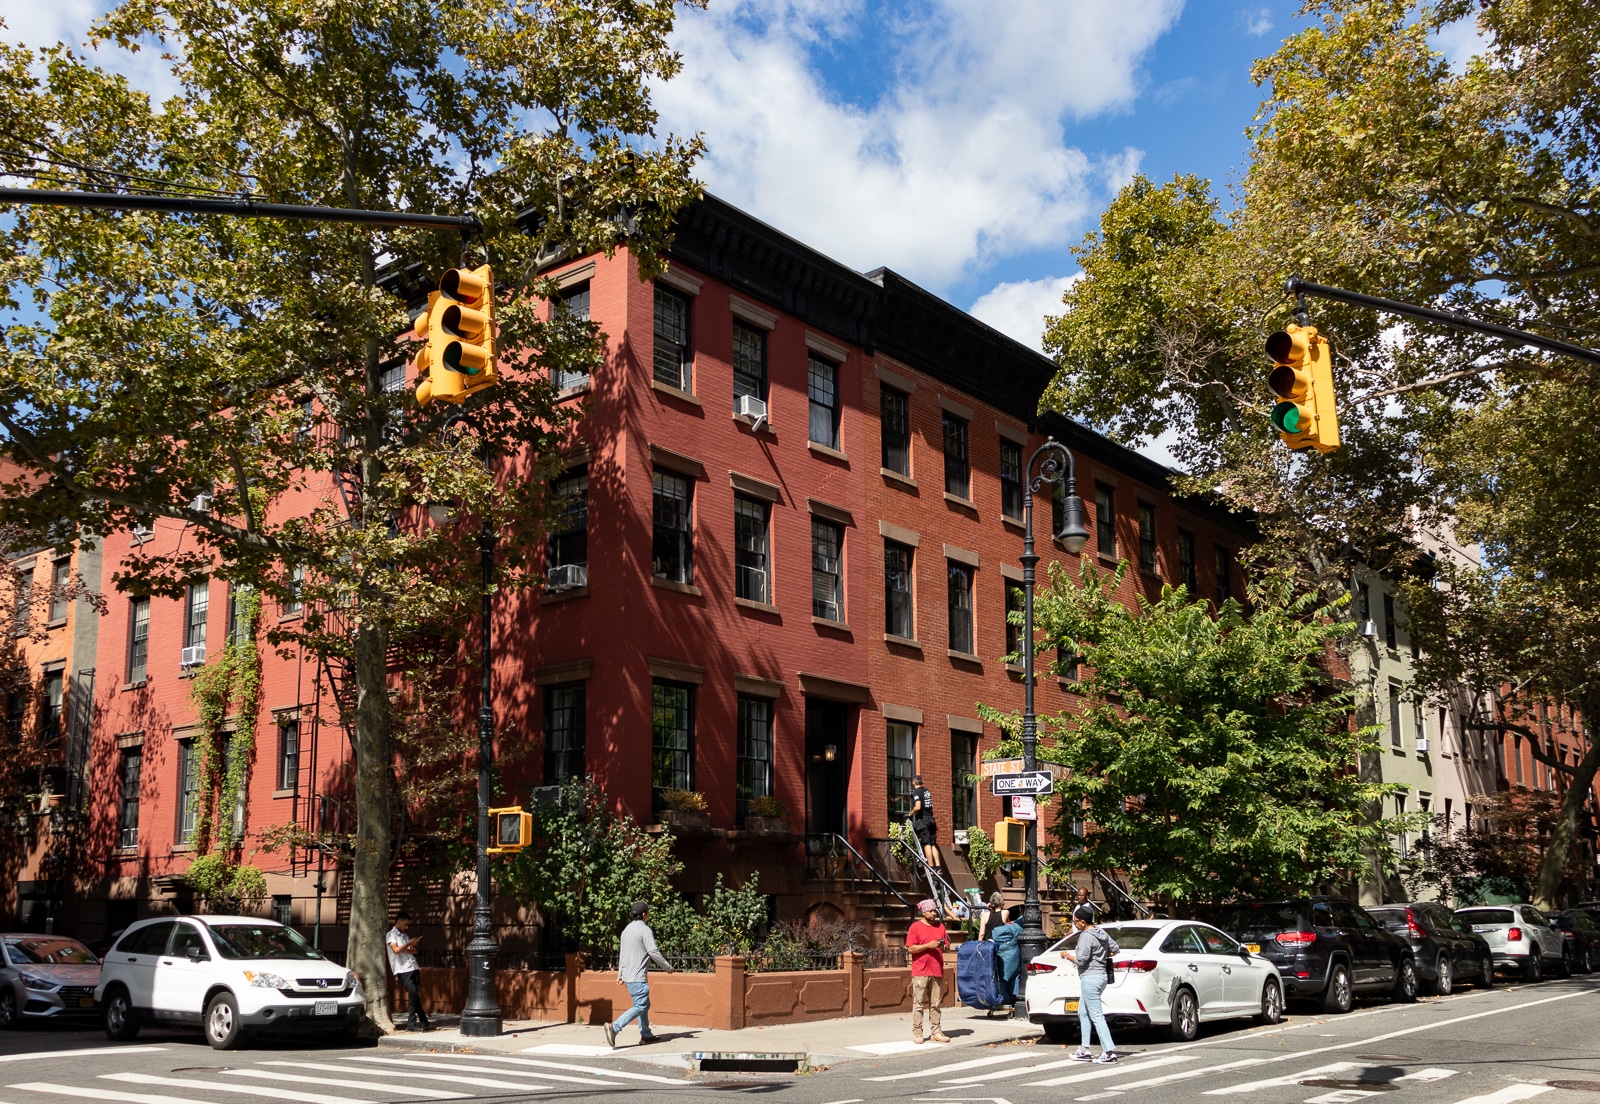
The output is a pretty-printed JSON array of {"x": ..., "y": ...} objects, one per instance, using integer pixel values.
[{"x": 975, "y": 976}]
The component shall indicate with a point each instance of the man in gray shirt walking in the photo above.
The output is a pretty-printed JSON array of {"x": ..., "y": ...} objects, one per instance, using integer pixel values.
[{"x": 633, "y": 964}]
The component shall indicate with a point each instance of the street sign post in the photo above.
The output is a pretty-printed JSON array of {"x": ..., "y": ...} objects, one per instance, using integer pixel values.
[{"x": 1033, "y": 783}]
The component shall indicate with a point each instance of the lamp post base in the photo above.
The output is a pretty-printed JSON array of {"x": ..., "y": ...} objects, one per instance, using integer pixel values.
[{"x": 479, "y": 1027}]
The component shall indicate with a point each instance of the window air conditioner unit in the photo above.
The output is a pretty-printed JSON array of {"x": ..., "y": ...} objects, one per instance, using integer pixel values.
[
  {"x": 1422, "y": 745},
  {"x": 753, "y": 408},
  {"x": 568, "y": 576},
  {"x": 193, "y": 656},
  {"x": 201, "y": 502},
  {"x": 1369, "y": 628}
]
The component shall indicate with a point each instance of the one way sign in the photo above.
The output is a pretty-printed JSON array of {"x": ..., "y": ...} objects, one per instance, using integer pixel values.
[{"x": 1035, "y": 783}]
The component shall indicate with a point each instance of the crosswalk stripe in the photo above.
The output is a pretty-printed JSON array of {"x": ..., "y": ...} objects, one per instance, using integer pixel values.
[
  {"x": 1116, "y": 1070},
  {"x": 448, "y": 1078},
  {"x": 543, "y": 1064},
  {"x": 242, "y": 1090},
  {"x": 1015, "y": 1071},
  {"x": 1181, "y": 1075},
  {"x": 339, "y": 1082},
  {"x": 98, "y": 1092},
  {"x": 79, "y": 1053},
  {"x": 1286, "y": 1079},
  {"x": 954, "y": 1067},
  {"x": 1424, "y": 1076},
  {"x": 1508, "y": 1095},
  {"x": 460, "y": 1071}
]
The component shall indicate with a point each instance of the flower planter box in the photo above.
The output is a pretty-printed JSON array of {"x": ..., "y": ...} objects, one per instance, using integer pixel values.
[
  {"x": 767, "y": 826},
  {"x": 681, "y": 820}
]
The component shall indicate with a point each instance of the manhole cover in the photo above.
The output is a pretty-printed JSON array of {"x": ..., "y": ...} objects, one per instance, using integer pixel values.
[
  {"x": 1388, "y": 1058},
  {"x": 1340, "y": 1083},
  {"x": 1575, "y": 1086}
]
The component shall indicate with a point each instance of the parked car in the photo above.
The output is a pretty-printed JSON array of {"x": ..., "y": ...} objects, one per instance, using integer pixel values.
[
  {"x": 230, "y": 975},
  {"x": 1445, "y": 947},
  {"x": 1581, "y": 934},
  {"x": 1521, "y": 938},
  {"x": 1175, "y": 974},
  {"x": 1326, "y": 949},
  {"x": 45, "y": 977}
]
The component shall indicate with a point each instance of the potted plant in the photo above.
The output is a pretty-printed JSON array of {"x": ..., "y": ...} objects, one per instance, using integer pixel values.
[
  {"x": 766, "y": 814},
  {"x": 685, "y": 809}
]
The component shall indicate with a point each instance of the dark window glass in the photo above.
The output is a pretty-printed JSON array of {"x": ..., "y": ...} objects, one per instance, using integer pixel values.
[
  {"x": 1187, "y": 574},
  {"x": 1013, "y": 624},
  {"x": 289, "y": 755},
  {"x": 307, "y": 420},
  {"x": 16, "y": 714},
  {"x": 574, "y": 303},
  {"x": 50, "y": 730},
  {"x": 755, "y": 752},
  {"x": 1147, "y": 538},
  {"x": 957, "y": 471},
  {"x": 827, "y": 570},
  {"x": 21, "y": 615},
  {"x": 283, "y": 908},
  {"x": 239, "y": 801},
  {"x": 1224, "y": 575},
  {"x": 1011, "y": 480},
  {"x": 293, "y": 602},
  {"x": 750, "y": 559},
  {"x": 960, "y": 605},
  {"x": 672, "y": 550},
  {"x": 197, "y": 606},
  {"x": 895, "y": 427},
  {"x": 1388, "y": 622},
  {"x": 61, "y": 578},
  {"x": 138, "y": 638},
  {"x": 565, "y": 726},
  {"x": 1105, "y": 520},
  {"x": 1395, "y": 737},
  {"x": 188, "y": 790},
  {"x": 897, "y": 561},
  {"x": 671, "y": 362},
  {"x": 963, "y": 789},
  {"x": 902, "y": 765},
  {"x": 749, "y": 362},
  {"x": 822, "y": 383},
  {"x": 128, "y": 816},
  {"x": 238, "y": 631},
  {"x": 672, "y": 744},
  {"x": 569, "y": 531},
  {"x": 1067, "y": 663}
]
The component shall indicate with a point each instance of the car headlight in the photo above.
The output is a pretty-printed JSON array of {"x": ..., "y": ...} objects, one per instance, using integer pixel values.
[
  {"x": 43, "y": 985},
  {"x": 265, "y": 980},
  {"x": 353, "y": 981}
]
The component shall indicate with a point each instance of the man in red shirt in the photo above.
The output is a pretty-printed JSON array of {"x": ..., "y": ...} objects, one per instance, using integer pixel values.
[{"x": 927, "y": 941}]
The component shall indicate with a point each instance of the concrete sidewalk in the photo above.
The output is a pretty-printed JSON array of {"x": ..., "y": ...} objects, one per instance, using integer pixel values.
[{"x": 823, "y": 1042}]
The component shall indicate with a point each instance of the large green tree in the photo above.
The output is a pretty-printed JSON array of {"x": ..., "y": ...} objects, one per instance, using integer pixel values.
[
  {"x": 1212, "y": 757},
  {"x": 1376, "y": 164},
  {"x": 176, "y": 355}
]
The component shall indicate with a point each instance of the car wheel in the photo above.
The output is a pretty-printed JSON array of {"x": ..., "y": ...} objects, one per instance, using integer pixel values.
[
  {"x": 117, "y": 1016},
  {"x": 1535, "y": 968},
  {"x": 1058, "y": 1032},
  {"x": 1338, "y": 997},
  {"x": 222, "y": 1022},
  {"x": 1486, "y": 974},
  {"x": 1586, "y": 963},
  {"x": 1185, "y": 1023},
  {"x": 1565, "y": 969},
  {"x": 1405, "y": 982},
  {"x": 8, "y": 1008},
  {"x": 1271, "y": 1004},
  {"x": 1444, "y": 982}
]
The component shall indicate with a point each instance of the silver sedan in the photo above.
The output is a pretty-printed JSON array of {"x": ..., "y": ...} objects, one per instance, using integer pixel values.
[{"x": 45, "y": 977}]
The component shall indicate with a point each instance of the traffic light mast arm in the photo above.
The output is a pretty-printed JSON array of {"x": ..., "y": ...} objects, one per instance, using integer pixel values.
[{"x": 1297, "y": 286}]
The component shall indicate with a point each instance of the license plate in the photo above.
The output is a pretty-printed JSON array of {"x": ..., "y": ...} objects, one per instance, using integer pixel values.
[
  {"x": 1482, "y": 928},
  {"x": 325, "y": 1008},
  {"x": 1069, "y": 1006},
  {"x": 85, "y": 1002},
  {"x": 1253, "y": 948}
]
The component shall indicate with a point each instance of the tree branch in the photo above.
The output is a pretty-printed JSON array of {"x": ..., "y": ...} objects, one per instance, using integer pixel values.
[
  {"x": 1582, "y": 224},
  {"x": 1465, "y": 373}
]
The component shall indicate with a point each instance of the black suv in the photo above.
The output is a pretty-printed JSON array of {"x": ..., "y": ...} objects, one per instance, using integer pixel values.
[
  {"x": 1580, "y": 938},
  {"x": 1325, "y": 949},
  {"x": 1444, "y": 945}
]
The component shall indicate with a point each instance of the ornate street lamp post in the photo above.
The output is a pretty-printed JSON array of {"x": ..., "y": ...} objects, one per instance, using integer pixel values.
[{"x": 1056, "y": 467}]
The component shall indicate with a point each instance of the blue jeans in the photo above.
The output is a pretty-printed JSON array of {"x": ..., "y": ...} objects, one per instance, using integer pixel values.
[
  {"x": 640, "y": 992},
  {"x": 1090, "y": 986}
]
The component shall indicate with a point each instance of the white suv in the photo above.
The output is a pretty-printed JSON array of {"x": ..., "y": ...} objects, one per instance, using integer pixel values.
[{"x": 229, "y": 974}]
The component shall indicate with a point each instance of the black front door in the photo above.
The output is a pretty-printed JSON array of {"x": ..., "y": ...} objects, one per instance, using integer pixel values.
[{"x": 827, "y": 766}]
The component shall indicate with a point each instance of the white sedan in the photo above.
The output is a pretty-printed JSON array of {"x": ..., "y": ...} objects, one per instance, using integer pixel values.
[{"x": 1175, "y": 974}]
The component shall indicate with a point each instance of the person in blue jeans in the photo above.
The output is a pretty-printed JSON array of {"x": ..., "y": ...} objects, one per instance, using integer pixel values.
[
  {"x": 1092, "y": 955},
  {"x": 637, "y": 953}
]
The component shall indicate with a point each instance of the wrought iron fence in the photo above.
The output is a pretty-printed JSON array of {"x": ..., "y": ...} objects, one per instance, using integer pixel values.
[
  {"x": 762, "y": 960},
  {"x": 880, "y": 957}
]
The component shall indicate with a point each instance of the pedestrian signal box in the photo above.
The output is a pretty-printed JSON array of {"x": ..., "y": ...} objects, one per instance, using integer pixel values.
[
  {"x": 509, "y": 830},
  {"x": 1011, "y": 838}
]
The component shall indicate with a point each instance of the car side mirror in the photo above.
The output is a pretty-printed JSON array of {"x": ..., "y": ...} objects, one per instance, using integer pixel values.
[
  {"x": 1244, "y": 953},
  {"x": 195, "y": 954}
]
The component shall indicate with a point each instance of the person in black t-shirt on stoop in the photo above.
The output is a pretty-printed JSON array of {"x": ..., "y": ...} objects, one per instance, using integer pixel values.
[{"x": 923, "y": 824}]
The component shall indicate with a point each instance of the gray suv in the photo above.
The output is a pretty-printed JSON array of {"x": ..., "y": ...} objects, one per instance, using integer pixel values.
[{"x": 1521, "y": 939}]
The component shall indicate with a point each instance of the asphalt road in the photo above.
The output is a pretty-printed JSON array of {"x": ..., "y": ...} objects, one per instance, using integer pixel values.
[{"x": 1513, "y": 1043}]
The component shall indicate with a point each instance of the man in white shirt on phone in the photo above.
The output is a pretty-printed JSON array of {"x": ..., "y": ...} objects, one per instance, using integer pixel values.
[{"x": 403, "y": 964}]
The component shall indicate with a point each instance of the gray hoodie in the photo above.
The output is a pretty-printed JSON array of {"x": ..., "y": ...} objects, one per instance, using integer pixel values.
[{"x": 1094, "y": 951}]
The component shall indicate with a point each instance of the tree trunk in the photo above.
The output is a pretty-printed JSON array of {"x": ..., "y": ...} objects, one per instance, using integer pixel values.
[
  {"x": 374, "y": 753},
  {"x": 1579, "y": 784}
]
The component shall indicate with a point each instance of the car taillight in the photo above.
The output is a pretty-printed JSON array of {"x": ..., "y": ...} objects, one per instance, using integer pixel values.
[
  {"x": 1041, "y": 968},
  {"x": 1296, "y": 938},
  {"x": 1411, "y": 927},
  {"x": 1514, "y": 935},
  {"x": 1136, "y": 965}
]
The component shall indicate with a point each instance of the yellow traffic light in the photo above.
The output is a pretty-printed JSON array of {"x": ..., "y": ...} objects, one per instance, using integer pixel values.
[
  {"x": 1011, "y": 838},
  {"x": 511, "y": 828},
  {"x": 1305, "y": 415},
  {"x": 458, "y": 359}
]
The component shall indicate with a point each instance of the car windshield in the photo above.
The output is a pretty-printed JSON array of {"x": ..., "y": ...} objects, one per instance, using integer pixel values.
[
  {"x": 1127, "y": 938},
  {"x": 260, "y": 941},
  {"x": 1486, "y": 916},
  {"x": 46, "y": 951},
  {"x": 1254, "y": 923}
]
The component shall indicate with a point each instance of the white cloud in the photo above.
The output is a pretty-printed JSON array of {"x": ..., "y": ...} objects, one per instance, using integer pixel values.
[
  {"x": 1459, "y": 42},
  {"x": 961, "y": 160},
  {"x": 1018, "y": 309},
  {"x": 68, "y": 21},
  {"x": 1257, "y": 21}
]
